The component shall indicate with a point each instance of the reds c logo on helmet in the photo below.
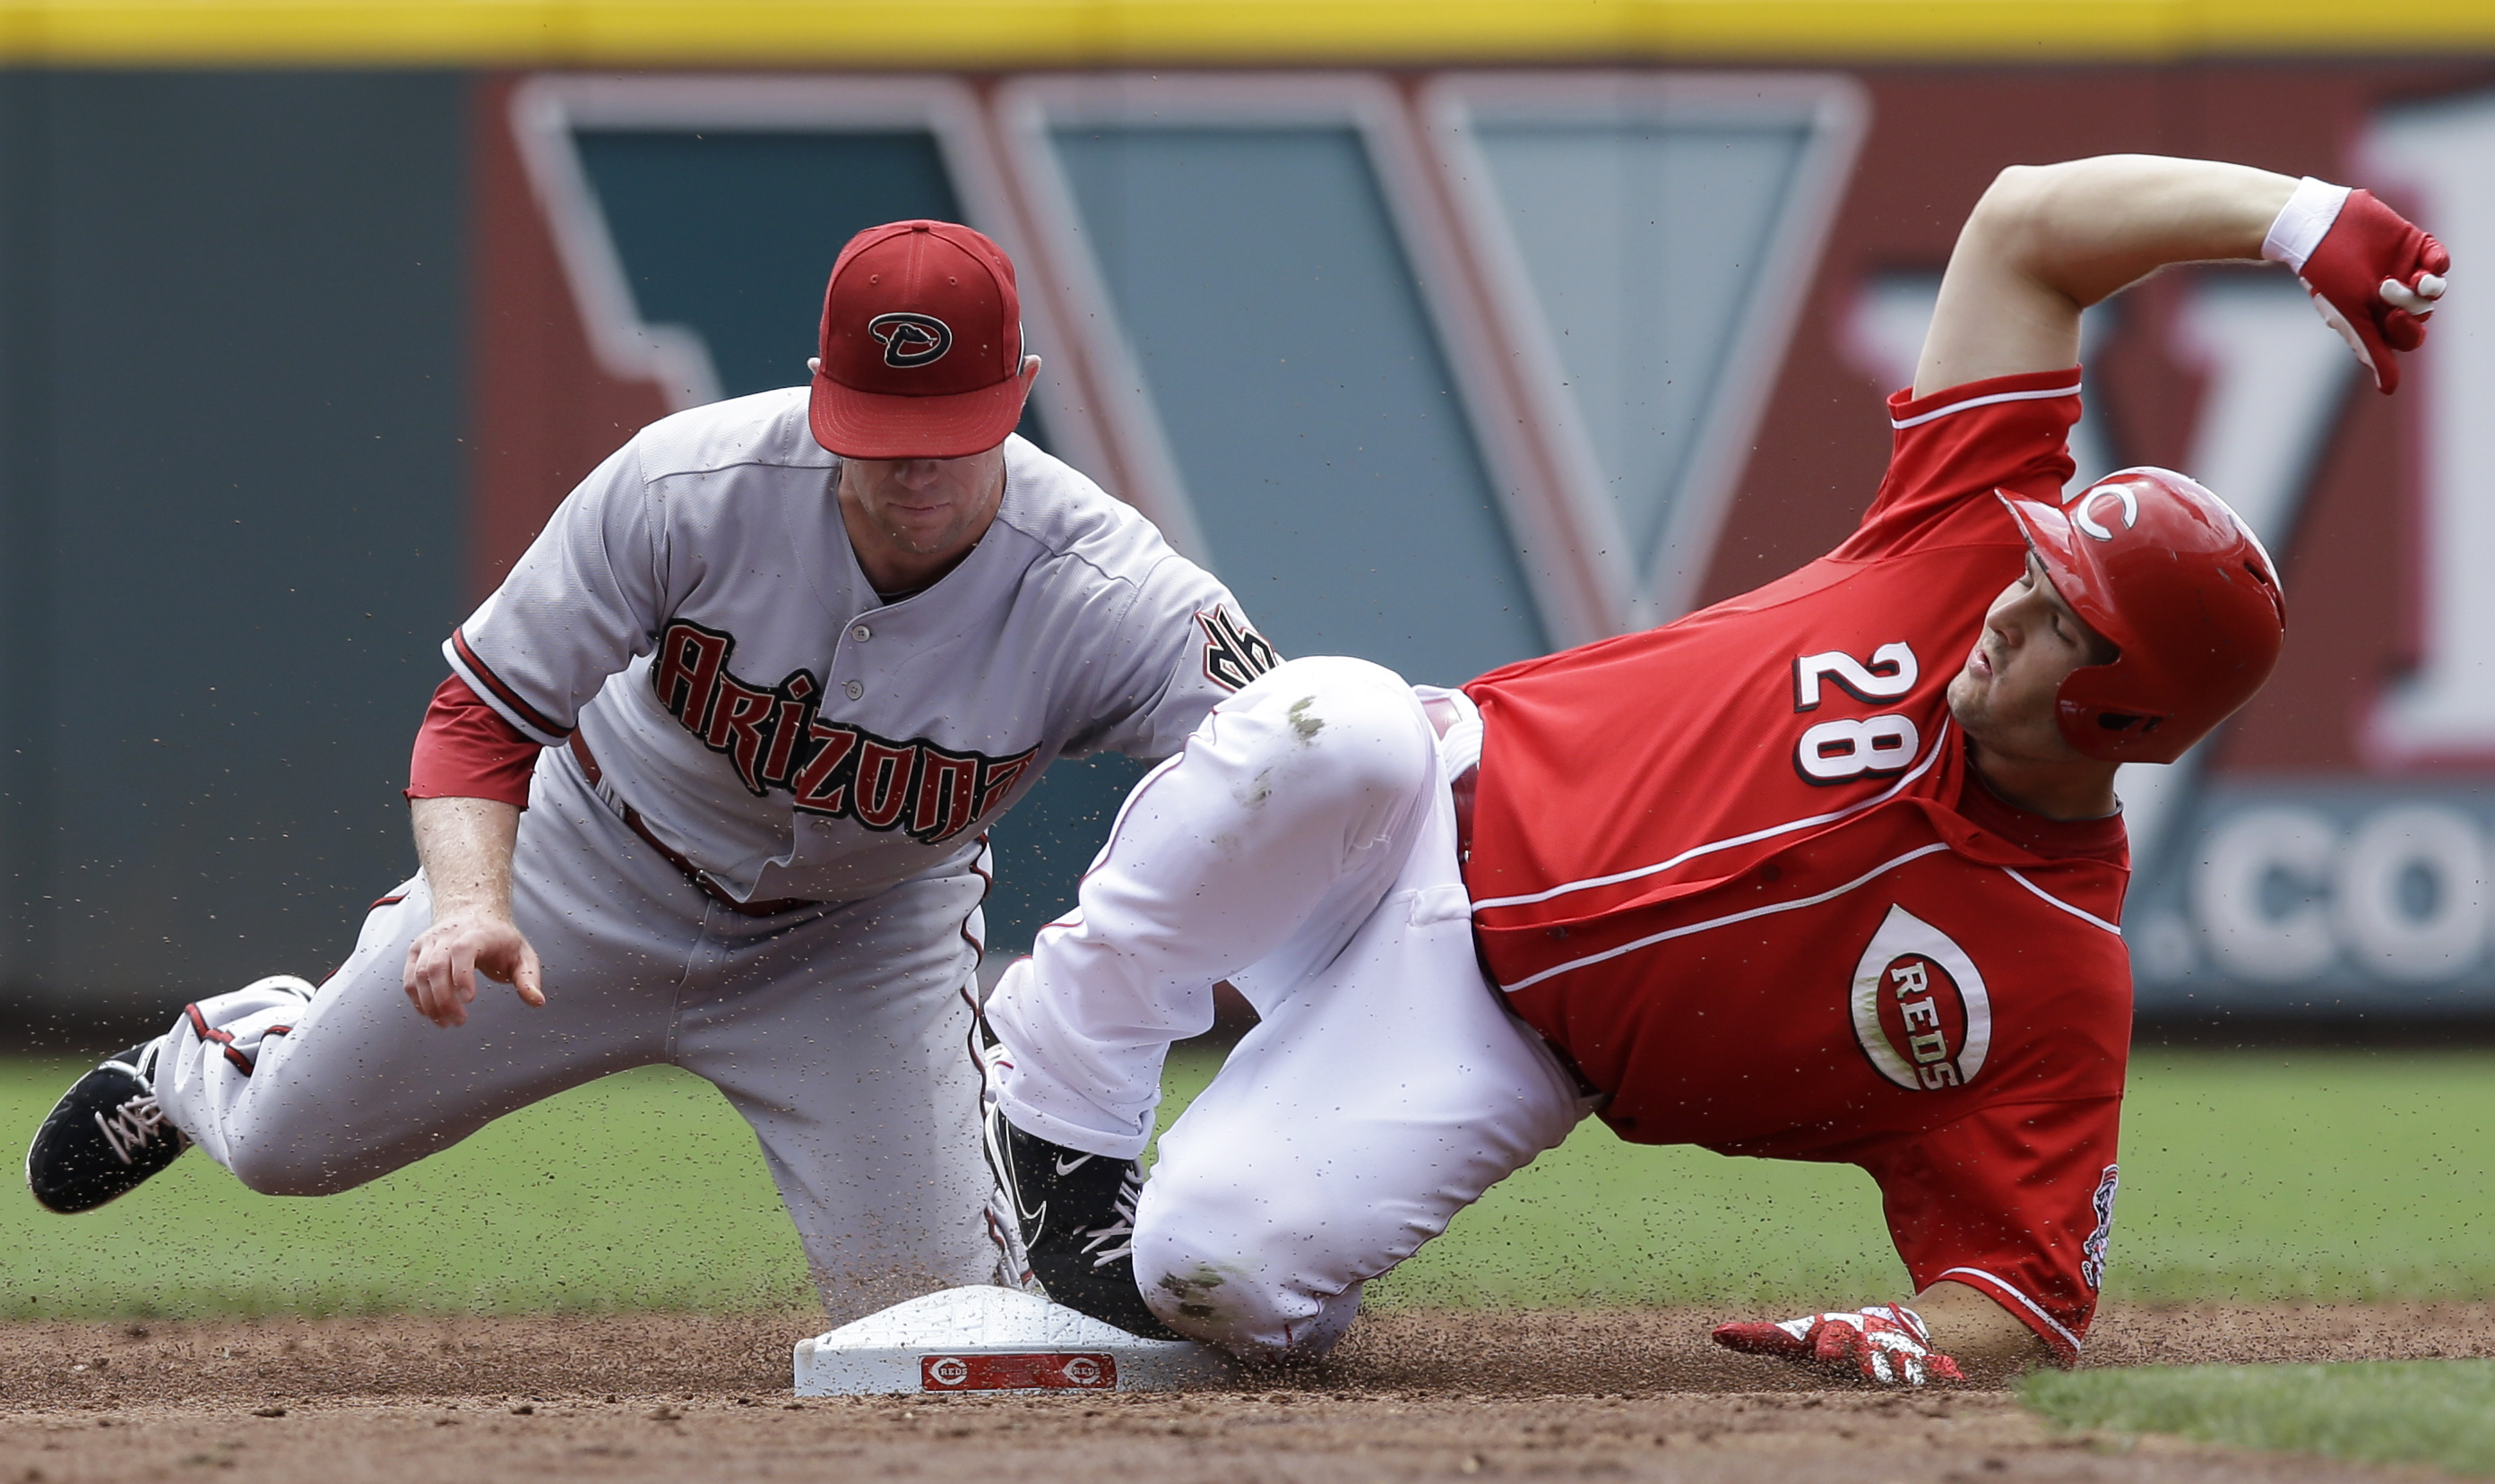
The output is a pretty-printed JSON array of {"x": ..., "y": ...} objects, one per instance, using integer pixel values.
[
  {"x": 2183, "y": 589},
  {"x": 911, "y": 339},
  {"x": 2082, "y": 510}
]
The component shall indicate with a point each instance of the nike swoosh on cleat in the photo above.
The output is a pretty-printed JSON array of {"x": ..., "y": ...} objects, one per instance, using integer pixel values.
[
  {"x": 1066, "y": 1167},
  {"x": 1028, "y": 1214}
]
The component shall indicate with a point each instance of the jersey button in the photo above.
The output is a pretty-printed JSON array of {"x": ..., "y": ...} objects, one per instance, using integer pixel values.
[
  {"x": 852, "y": 689},
  {"x": 861, "y": 633}
]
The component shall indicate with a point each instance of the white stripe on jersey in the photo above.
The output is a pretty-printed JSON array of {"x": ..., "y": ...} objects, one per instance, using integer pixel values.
[
  {"x": 1797, "y": 905},
  {"x": 2025, "y": 1302},
  {"x": 2049, "y": 394},
  {"x": 1712, "y": 846},
  {"x": 2083, "y": 915}
]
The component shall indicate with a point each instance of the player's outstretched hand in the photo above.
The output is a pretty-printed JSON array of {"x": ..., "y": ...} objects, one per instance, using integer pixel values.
[
  {"x": 1882, "y": 1343},
  {"x": 444, "y": 961},
  {"x": 2375, "y": 278}
]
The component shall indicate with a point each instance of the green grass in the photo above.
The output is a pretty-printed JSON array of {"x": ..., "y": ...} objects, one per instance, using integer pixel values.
[
  {"x": 2440, "y": 1412},
  {"x": 644, "y": 1190},
  {"x": 2245, "y": 1176}
]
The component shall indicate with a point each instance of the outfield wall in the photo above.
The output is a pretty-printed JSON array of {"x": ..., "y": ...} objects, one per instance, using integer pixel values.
[
  {"x": 1445, "y": 365},
  {"x": 233, "y": 377}
]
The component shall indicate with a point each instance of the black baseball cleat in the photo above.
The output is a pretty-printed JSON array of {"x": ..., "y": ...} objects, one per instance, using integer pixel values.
[
  {"x": 1077, "y": 1218},
  {"x": 104, "y": 1138}
]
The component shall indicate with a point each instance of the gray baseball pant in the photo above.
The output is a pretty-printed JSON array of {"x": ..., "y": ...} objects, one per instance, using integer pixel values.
[{"x": 839, "y": 1031}]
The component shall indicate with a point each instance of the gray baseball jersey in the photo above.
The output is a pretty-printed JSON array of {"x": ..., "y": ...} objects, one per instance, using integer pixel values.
[{"x": 694, "y": 608}]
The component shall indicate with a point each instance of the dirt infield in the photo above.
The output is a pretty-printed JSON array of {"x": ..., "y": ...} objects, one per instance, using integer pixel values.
[{"x": 1602, "y": 1394}]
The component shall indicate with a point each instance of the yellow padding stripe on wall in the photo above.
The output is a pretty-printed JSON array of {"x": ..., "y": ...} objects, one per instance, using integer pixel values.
[{"x": 983, "y": 34}]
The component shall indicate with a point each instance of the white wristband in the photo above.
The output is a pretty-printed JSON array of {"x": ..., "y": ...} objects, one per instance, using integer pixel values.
[{"x": 2301, "y": 223}]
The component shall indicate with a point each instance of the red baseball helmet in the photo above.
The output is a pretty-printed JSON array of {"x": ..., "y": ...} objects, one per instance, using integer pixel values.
[{"x": 2162, "y": 567}]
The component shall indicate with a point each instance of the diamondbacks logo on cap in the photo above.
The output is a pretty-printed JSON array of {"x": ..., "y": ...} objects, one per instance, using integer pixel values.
[
  {"x": 911, "y": 339},
  {"x": 1919, "y": 1008}
]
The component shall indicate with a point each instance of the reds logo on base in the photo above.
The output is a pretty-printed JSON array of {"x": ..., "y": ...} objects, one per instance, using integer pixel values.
[
  {"x": 1046, "y": 1371},
  {"x": 1921, "y": 1012}
]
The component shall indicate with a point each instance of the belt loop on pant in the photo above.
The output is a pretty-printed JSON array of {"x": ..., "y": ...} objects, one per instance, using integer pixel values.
[
  {"x": 1457, "y": 721},
  {"x": 701, "y": 878}
]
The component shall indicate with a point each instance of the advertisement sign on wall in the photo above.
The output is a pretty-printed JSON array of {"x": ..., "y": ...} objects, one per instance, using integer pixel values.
[{"x": 1449, "y": 368}]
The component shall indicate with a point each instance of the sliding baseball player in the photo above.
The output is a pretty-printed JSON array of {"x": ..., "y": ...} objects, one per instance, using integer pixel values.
[{"x": 1830, "y": 871}]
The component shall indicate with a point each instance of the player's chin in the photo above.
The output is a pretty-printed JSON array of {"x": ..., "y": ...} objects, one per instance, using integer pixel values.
[
  {"x": 925, "y": 535},
  {"x": 1969, "y": 699}
]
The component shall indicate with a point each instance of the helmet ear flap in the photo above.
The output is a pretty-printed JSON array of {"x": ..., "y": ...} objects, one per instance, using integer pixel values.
[{"x": 2093, "y": 719}]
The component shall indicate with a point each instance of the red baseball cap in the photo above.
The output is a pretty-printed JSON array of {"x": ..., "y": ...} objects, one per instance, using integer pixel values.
[{"x": 921, "y": 345}]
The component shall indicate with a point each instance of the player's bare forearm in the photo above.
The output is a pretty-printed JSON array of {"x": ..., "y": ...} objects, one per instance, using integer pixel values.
[
  {"x": 1978, "y": 1333},
  {"x": 465, "y": 846},
  {"x": 2046, "y": 241}
]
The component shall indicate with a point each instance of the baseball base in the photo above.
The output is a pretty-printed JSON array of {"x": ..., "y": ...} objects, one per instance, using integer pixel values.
[{"x": 984, "y": 1339}]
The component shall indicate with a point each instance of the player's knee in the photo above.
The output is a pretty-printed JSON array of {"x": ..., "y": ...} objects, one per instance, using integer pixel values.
[
  {"x": 1352, "y": 727},
  {"x": 1211, "y": 1298},
  {"x": 1242, "y": 1285},
  {"x": 1209, "y": 1291}
]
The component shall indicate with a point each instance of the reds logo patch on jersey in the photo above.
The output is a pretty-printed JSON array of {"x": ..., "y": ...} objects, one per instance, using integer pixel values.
[{"x": 1921, "y": 1012}]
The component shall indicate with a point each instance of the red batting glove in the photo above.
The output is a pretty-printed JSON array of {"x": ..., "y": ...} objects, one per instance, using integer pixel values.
[
  {"x": 2373, "y": 275},
  {"x": 1886, "y": 1343}
]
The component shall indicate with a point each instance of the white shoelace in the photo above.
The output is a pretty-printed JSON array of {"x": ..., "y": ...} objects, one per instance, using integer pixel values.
[
  {"x": 128, "y": 1129},
  {"x": 1129, "y": 1190}
]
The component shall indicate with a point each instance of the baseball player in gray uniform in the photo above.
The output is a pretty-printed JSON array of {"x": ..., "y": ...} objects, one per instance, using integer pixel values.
[{"x": 709, "y": 786}]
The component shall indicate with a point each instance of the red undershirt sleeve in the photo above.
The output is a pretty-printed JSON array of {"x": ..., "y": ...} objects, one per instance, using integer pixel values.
[{"x": 466, "y": 750}]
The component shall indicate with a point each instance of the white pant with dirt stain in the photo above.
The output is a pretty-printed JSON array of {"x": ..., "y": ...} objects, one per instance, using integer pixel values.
[
  {"x": 840, "y": 1032},
  {"x": 1303, "y": 847}
]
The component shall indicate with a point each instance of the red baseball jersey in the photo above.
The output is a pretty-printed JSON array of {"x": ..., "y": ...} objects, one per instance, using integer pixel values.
[{"x": 1740, "y": 870}]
